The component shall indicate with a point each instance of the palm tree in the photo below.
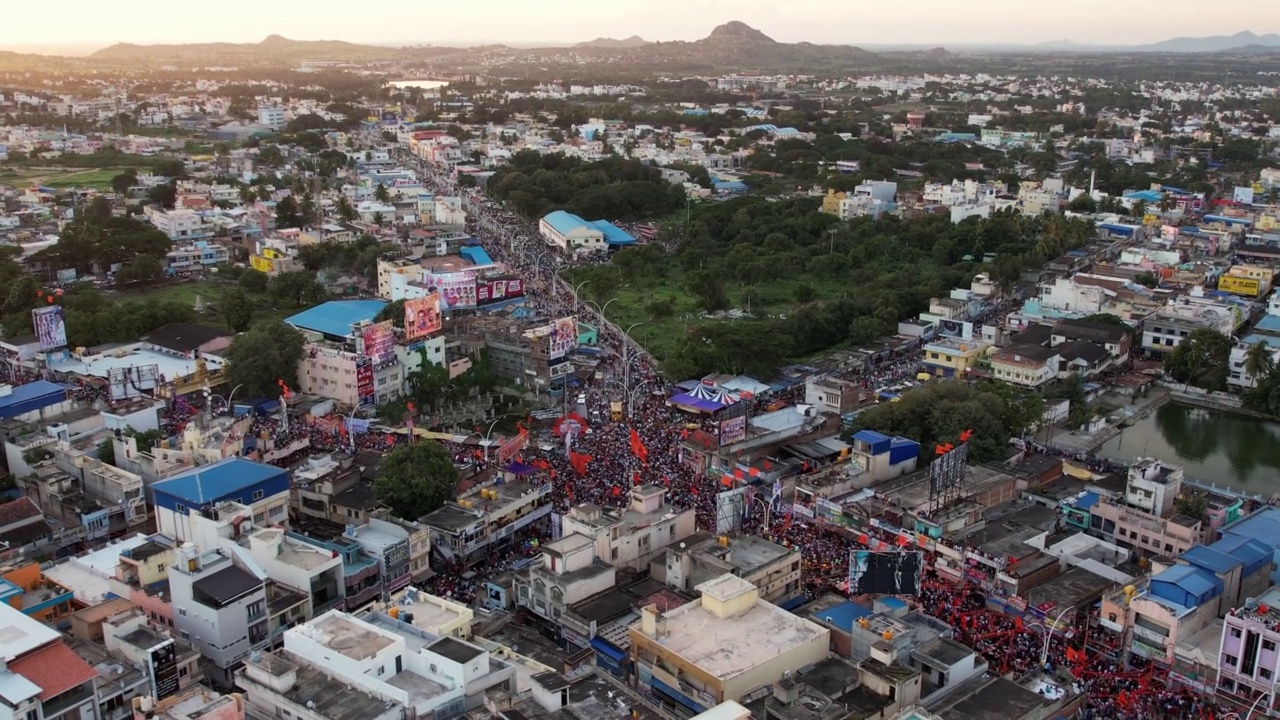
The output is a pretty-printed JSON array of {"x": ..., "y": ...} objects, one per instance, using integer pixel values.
[
  {"x": 1259, "y": 361},
  {"x": 1166, "y": 204},
  {"x": 1138, "y": 209}
]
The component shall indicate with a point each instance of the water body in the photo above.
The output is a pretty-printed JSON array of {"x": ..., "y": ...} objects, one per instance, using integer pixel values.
[
  {"x": 424, "y": 84},
  {"x": 1212, "y": 446}
]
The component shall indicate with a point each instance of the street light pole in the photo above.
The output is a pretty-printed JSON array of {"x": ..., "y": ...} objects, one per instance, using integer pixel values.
[
  {"x": 1048, "y": 636},
  {"x": 486, "y": 436},
  {"x": 626, "y": 359},
  {"x": 576, "y": 296}
]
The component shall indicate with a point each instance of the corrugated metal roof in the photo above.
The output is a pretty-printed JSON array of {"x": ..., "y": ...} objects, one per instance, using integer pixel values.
[{"x": 336, "y": 316}]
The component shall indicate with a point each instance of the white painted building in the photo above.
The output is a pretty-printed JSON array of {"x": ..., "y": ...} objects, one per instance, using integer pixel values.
[{"x": 220, "y": 608}]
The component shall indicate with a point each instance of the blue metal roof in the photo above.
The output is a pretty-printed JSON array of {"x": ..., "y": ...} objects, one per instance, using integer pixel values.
[
  {"x": 1186, "y": 585},
  {"x": 336, "y": 316},
  {"x": 476, "y": 255},
  {"x": 209, "y": 483},
  {"x": 1263, "y": 526},
  {"x": 32, "y": 396},
  {"x": 1210, "y": 559},
  {"x": 1087, "y": 501},
  {"x": 1252, "y": 553},
  {"x": 564, "y": 222},
  {"x": 844, "y": 615},
  {"x": 1147, "y": 196},
  {"x": 613, "y": 234}
]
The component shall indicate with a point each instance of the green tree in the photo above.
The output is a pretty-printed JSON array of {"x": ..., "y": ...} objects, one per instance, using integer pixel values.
[
  {"x": 297, "y": 288},
  {"x": 1259, "y": 361},
  {"x": 416, "y": 479},
  {"x": 144, "y": 269},
  {"x": 164, "y": 195},
  {"x": 125, "y": 180},
  {"x": 381, "y": 194},
  {"x": 1138, "y": 209},
  {"x": 378, "y": 219},
  {"x": 237, "y": 308},
  {"x": 253, "y": 281},
  {"x": 429, "y": 384},
  {"x": 1192, "y": 504},
  {"x": 261, "y": 357},
  {"x": 1202, "y": 359},
  {"x": 708, "y": 287},
  {"x": 288, "y": 214},
  {"x": 345, "y": 211}
]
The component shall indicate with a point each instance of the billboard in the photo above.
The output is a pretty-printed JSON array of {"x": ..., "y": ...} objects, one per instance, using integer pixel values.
[
  {"x": 491, "y": 291},
  {"x": 365, "y": 394},
  {"x": 124, "y": 383},
  {"x": 946, "y": 473},
  {"x": 422, "y": 316},
  {"x": 457, "y": 289},
  {"x": 733, "y": 430},
  {"x": 163, "y": 662},
  {"x": 380, "y": 343},
  {"x": 885, "y": 573},
  {"x": 731, "y": 507},
  {"x": 262, "y": 264},
  {"x": 1243, "y": 195},
  {"x": 51, "y": 330},
  {"x": 1249, "y": 287},
  {"x": 564, "y": 337},
  {"x": 958, "y": 329}
]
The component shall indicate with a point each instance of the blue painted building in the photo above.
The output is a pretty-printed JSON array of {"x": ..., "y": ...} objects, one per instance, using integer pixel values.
[
  {"x": 31, "y": 398},
  {"x": 264, "y": 489}
]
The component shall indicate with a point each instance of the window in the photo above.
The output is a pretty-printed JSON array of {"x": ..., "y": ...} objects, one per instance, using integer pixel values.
[
  {"x": 180, "y": 509},
  {"x": 1264, "y": 673},
  {"x": 258, "y": 494},
  {"x": 182, "y": 612},
  {"x": 1269, "y": 645},
  {"x": 1230, "y": 660},
  {"x": 1235, "y": 632}
]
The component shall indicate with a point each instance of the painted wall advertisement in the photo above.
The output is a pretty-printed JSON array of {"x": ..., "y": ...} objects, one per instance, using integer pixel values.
[
  {"x": 51, "y": 330},
  {"x": 733, "y": 430},
  {"x": 457, "y": 289},
  {"x": 380, "y": 343},
  {"x": 1249, "y": 287},
  {"x": 422, "y": 316},
  {"x": 564, "y": 337},
  {"x": 491, "y": 291},
  {"x": 365, "y": 393}
]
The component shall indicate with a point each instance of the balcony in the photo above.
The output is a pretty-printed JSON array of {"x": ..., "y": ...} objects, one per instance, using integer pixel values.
[{"x": 1151, "y": 637}]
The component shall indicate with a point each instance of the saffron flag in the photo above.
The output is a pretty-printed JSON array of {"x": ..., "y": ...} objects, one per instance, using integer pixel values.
[{"x": 637, "y": 447}]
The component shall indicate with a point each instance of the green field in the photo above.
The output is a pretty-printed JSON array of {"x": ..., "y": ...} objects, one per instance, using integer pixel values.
[
  {"x": 60, "y": 178},
  {"x": 185, "y": 292}
]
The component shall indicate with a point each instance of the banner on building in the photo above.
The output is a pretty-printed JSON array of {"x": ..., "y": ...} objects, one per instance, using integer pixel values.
[
  {"x": 564, "y": 337},
  {"x": 1243, "y": 195},
  {"x": 512, "y": 447},
  {"x": 380, "y": 343},
  {"x": 733, "y": 430},
  {"x": 1248, "y": 287},
  {"x": 422, "y": 316},
  {"x": 492, "y": 291},
  {"x": 365, "y": 391},
  {"x": 51, "y": 329},
  {"x": 457, "y": 289}
]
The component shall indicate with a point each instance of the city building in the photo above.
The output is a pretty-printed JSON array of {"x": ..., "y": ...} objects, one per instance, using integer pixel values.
[
  {"x": 388, "y": 544},
  {"x": 774, "y": 570},
  {"x": 723, "y": 646},
  {"x": 196, "y": 704},
  {"x": 486, "y": 520},
  {"x": 568, "y": 573},
  {"x": 42, "y": 677},
  {"x": 1145, "y": 519},
  {"x": 629, "y": 538},
  {"x": 1166, "y": 328},
  {"x": 573, "y": 235},
  {"x": 199, "y": 255},
  {"x": 219, "y": 607},
  {"x": 361, "y": 573},
  {"x": 1248, "y": 662},
  {"x": 180, "y": 226},
  {"x": 263, "y": 489}
]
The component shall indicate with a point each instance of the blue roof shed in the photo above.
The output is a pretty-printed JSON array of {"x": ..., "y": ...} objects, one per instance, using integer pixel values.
[
  {"x": 843, "y": 616},
  {"x": 336, "y": 316},
  {"x": 243, "y": 481},
  {"x": 1186, "y": 585},
  {"x": 31, "y": 397},
  {"x": 1215, "y": 561},
  {"x": 613, "y": 234},
  {"x": 476, "y": 255},
  {"x": 878, "y": 443},
  {"x": 901, "y": 449},
  {"x": 564, "y": 222},
  {"x": 1253, "y": 553}
]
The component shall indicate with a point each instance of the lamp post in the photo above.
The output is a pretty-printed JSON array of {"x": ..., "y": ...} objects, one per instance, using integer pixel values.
[
  {"x": 231, "y": 395},
  {"x": 490, "y": 431},
  {"x": 626, "y": 359},
  {"x": 1248, "y": 713},
  {"x": 1048, "y": 636},
  {"x": 600, "y": 310},
  {"x": 576, "y": 296},
  {"x": 631, "y": 397}
]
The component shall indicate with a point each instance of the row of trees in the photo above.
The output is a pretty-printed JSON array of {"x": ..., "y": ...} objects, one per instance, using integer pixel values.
[
  {"x": 96, "y": 240},
  {"x": 614, "y": 188}
]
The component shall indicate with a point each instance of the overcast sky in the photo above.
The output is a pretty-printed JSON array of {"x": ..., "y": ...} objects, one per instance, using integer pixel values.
[{"x": 92, "y": 22}]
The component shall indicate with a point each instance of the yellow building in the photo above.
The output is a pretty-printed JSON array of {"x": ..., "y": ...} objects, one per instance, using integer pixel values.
[
  {"x": 948, "y": 357},
  {"x": 1248, "y": 280},
  {"x": 720, "y": 647},
  {"x": 831, "y": 203}
]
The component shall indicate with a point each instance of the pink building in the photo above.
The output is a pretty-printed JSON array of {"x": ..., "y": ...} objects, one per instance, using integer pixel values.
[{"x": 1249, "y": 661}]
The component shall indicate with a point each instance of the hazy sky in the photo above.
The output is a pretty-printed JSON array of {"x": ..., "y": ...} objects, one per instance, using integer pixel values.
[{"x": 91, "y": 22}]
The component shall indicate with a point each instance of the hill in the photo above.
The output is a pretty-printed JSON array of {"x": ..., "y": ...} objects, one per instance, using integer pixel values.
[
  {"x": 737, "y": 46},
  {"x": 606, "y": 43},
  {"x": 736, "y": 31},
  {"x": 1212, "y": 43},
  {"x": 273, "y": 48}
]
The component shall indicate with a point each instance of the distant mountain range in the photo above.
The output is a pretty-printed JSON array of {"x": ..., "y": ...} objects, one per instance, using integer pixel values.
[{"x": 733, "y": 44}]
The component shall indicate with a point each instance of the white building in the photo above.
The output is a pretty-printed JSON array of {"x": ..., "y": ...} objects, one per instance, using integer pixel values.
[
  {"x": 180, "y": 226},
  {"x": 631, "y": 538},
  {"x": 272, "y": 117},
  {"x": 374, "y": 667},
  {"x": 220, "y": 608},
  {"x": 41, "y": 678}
]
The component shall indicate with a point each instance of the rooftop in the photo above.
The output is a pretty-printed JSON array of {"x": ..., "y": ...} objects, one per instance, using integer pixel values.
[
  {"x": 336, "y": 316},
  {"x": 167, "y": 365},
  {"x": 1000, "y": 699},
  {"x": 728, "y": 647},
  {"x": 227, "y": 584},
  {"x": 318, "y": 692},
  {"x": 211, "y": 483},
  {"x": 183, "y": 337},
  {"x": 455, "y": 650},
  {"x": 40, "y": 390},
  {"x": 55, "y": 668},
  {"x": 747, "y": 553},
  {"x": 20, "y": 634},
  {"x": 87, "y": 575},
  {"x": 348, "y": 636}
]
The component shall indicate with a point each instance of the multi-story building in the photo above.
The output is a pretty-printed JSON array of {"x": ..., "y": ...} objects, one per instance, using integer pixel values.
[
  {"x": 630, "y": 538},
  {"x": 42, "y": 676},
  {"x": 373, "y": 666},
  {"x": 196, "y": 256},
  {"x": 388, "y": 543},
  {"x": 1248, "y": 661},
  {"x": 1168, "y": 326},
  {"x": 180, "y": 226},
  {"x": 772, "y": 569},
  {"x": 487, "y": 519},
  {"x": 1145, "y": 520},
  {"x": 272, "y": 117},
  {"x": 263, "y": 489},
  {"x": 832, "y": 394},
  {"x": 568, "y": 573},
  {"x": 196, "y": 704},
  {"x": 221, "y": 608},
  {"x": 950, "y": 357},
  {"x": 23, "y": 585},
  {"x": 1030, "y": 366},
  {"x": 723, "y": 646},
  {"x": 361, "y": 575}
]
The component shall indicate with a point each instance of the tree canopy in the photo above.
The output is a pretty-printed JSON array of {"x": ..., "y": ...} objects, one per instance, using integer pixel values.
[
  {"x": 96, "y": 239},
  {"x": 938, "y": 412},
  {"x": 416, "y": 479},
  {"x": 1202, "y": 359},
  {"x": 611, "y": 189},
  {"x": 260, "y": 358}
]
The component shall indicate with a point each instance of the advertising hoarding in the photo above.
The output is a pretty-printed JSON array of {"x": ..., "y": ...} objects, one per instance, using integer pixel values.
[
  {"x": 51, "y": 329},
  {"x": 564, "y": 337},
  {"x": 380, "y": 343},
  {"x": 261, "y": 264},
  {"x": 163, "y": 663},
  {"x": 1243, "y": 195},
  {"x": 457, "y": 289},
  {"x": 733, "y": 430},
  {"x": 1248, "y": 287},
  {"x": 885, "y": 573},
  {"x": 497, "y": 290},
  {"x": 365, "y": 394},
  {"x": 422, "y": 316}
]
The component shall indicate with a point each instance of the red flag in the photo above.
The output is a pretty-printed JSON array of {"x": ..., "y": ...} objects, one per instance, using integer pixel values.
[
  {"x": 637, "y": 447},
  {"x": 635, "y": 478},
  {"x": 666, "y": 481},
  {"x": 617, "y": 491},
  {"x": 964, "y": 436}
]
